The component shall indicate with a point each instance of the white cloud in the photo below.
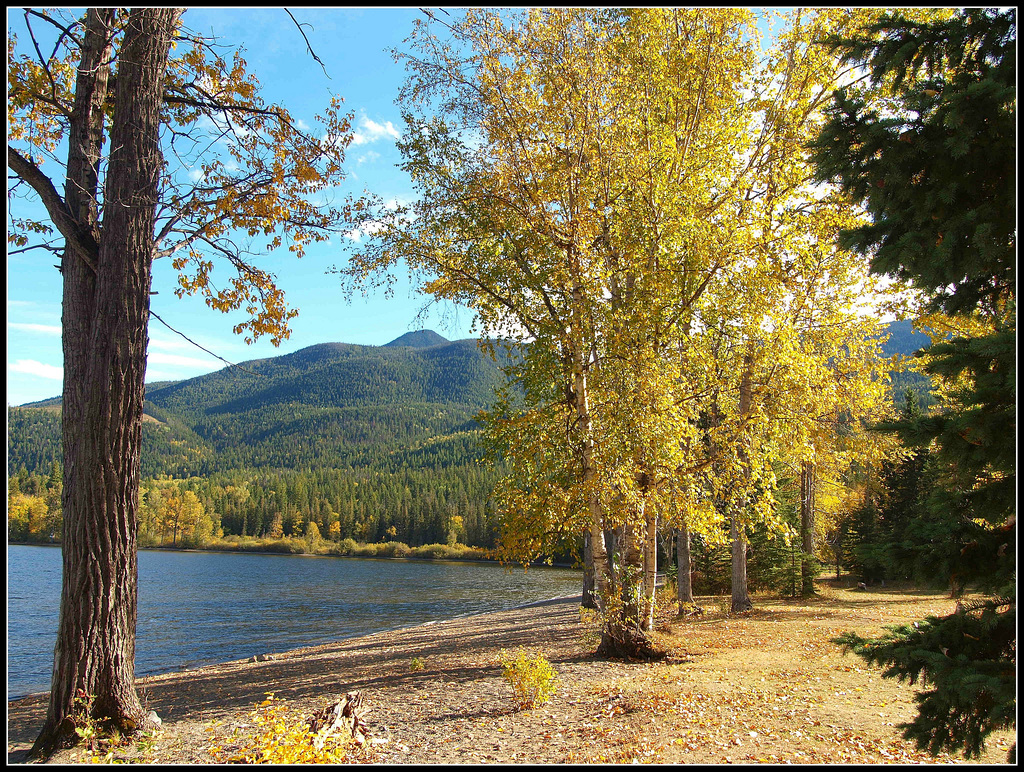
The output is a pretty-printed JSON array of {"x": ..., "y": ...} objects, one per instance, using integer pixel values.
[
  {"x": 176, "y": 344},
  {"x": 396, "y": 203},
  {"x": 161, "y": 375},
  {"x": 38, "y": 369},
  {"x": 42, "y": 329},
  {"x": 371, "y": 131},
  {"x": 159, "y": 358},
  {"x": 370, "y": 228},
  {"x": 367, "y": 157}
]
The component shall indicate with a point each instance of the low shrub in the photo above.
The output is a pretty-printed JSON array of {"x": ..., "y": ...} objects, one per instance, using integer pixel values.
[
  {"x": 283, "y": 737},
  {"x": 430, "y": 551},
  {"x": 533, "y": 679},
  {"x": 448, "y": 552},
  {"x": 366, "y": 550},
  {"x": 395, "y": 549}
]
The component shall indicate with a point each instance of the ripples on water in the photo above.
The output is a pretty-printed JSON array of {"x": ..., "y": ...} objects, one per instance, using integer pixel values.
[{"x": 198, "y": 608}]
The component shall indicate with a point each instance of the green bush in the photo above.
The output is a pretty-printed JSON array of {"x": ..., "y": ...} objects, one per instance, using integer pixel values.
[
  {"x": 447, "y": 552},
  {"x": 395, "y": 549},
  {"x": 366, "y": 550}
]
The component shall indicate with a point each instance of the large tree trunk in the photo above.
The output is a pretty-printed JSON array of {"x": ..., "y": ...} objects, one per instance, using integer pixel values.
[
  {"x": 808, "y": 494},
  {"x": 603, "y": 586},
  {"x": 617, "y": 591},
  {"x": 684, "y": 581},
  {"x": 626, "y": 632},
  {"x": 106, "y": 312},
  {"x": 740, "y": 594},
  {"x": 650, "y": 564}
]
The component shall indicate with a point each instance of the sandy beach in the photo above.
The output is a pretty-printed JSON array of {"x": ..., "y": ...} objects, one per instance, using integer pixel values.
[
  {"x": 460, "y": 680},
  {"x": 767, "y": 686}
]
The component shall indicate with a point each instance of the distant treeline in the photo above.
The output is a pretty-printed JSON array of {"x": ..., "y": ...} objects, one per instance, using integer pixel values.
[
  {"x": 413, "y": 506},
  {"x": 369, "y": 444}
]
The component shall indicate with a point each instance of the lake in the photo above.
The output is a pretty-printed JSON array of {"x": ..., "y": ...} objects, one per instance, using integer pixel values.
[{"x": 198, "y": 608}]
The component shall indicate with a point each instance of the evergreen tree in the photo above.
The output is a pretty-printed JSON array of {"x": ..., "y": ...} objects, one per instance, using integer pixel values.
[
  {"x": 937, "y": 177},
  {"x": 936, "y": 173}
]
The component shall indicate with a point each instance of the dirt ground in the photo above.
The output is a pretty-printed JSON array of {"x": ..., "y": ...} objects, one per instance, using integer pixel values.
[{"x": 766, "y": 686}]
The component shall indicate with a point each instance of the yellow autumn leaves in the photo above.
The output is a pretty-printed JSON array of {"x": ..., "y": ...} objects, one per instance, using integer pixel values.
[
  {"x": 238, "y": 170},
  {"x": 627, "y": 195}
]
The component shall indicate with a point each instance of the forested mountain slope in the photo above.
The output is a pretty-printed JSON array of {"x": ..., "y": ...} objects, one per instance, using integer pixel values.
[
  {"x": 373, "y": 443},
  {"x": 903, "y": 340},
  {"x": 407, "y": 404},
  {"x": 411, "y": 402}
]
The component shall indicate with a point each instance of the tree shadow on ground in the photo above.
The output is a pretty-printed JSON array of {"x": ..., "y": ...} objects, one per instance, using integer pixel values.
[
  {"x": 815, "y": 607},
  {"x": 373, "y": 663}
]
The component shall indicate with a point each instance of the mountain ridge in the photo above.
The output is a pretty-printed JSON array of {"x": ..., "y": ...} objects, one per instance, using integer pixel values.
[
  {"x": 325, "y": 405},
  {"x": 412, "y": 401},
  {"x": 417, "y": 339}
]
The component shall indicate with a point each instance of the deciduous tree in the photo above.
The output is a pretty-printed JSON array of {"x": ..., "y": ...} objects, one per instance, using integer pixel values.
[
  {"x": 140, "y": 183},
  {"x": 616, "y": 192}
]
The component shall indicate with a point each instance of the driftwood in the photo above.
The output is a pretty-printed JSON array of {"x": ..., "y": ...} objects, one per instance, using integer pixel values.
[{"x": 345, "y": 715}]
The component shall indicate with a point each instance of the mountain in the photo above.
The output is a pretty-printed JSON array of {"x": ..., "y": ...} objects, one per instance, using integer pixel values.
[
  {"x": 409, "y": 404},
  {"x": 418, "y": 339},
  {"x": 905, "y": 341},
  {"x": 331, "y": 405}
]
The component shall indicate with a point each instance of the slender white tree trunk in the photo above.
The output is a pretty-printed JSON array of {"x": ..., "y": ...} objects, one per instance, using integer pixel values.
[{"x": 740, "y": 594}]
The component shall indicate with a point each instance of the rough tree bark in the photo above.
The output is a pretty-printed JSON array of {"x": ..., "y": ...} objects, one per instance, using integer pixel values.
[
  {"x": 650, "y": 548},
  {"x": 588, "y": 600},
  {"x": 105, "y": 317},
  {"x": 740, "y": 595}
]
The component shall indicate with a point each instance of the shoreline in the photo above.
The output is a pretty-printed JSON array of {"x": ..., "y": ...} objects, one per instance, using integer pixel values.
[
  {"x": 271, "y": 655},
  {"x": 767, "y": 686},
  {"x": 378, "y": 663}
]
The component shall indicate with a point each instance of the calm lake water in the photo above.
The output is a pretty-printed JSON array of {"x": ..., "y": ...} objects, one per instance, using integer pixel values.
[{"x": 198, "y": 608}]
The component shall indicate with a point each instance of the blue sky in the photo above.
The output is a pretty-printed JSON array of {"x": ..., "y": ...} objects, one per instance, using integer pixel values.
[{"x": 352, "y": 44}]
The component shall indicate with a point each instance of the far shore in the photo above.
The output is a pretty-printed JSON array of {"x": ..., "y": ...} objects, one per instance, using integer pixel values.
[{"x": 447, "y": 558}]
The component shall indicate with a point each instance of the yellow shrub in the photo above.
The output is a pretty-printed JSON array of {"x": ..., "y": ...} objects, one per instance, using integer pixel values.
[
  {"x": 533, "y": 679},
  {"x": 282, "y": 737}
]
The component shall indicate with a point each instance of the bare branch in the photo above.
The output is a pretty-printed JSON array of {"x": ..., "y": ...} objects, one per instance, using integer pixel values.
[
  {"x": 65, "y": 31},
  {"x": 47, "y": 246},
  {"x": 44, "y": 63},
  {"x": 308, "y": 46},
  {"x": 78, "y": 237},
  {"x": 186, "y": 337}
]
